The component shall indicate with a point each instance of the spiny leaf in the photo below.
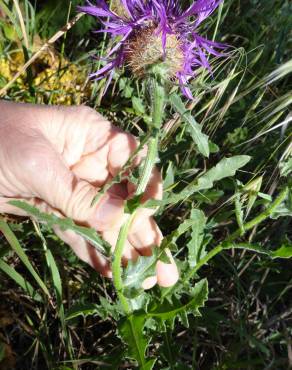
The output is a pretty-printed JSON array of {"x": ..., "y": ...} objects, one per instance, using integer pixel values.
[
  {"x": 131, "y": 331},
  {"x": 103, "y": 310},
  {"x": 65, "y": 224},
  {"x": 195, "y": 130},
  {"x": 169, "y": 311},
  {"x": 137, "y": 271},
  {"x": 227, "y": 167},
  {"x": 197, "y": 236}
]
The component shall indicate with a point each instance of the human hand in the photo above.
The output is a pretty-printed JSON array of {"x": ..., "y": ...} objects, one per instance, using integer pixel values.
[{"x": 57, "y": 158}]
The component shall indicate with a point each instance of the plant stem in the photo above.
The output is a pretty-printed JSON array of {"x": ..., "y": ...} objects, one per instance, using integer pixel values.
[
  {"x": 262, "y": 217},
  {"x": 150, "y": 160},
  {"x": 227, "y": 244},
  {"x": 116, "y": 265}
]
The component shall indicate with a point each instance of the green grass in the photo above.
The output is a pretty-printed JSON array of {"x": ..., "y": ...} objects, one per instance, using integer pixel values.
[{"x": 56, "y": 313}]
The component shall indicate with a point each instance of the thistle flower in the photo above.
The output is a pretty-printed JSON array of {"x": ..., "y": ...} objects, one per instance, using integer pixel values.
[{"x": 148, "y": 32}]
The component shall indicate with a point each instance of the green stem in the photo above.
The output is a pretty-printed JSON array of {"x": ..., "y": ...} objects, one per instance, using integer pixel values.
[
  {"x": 157, "y": 118},
  {"x": 227, "y": 244},
  {"x": 117, "y": 266}
]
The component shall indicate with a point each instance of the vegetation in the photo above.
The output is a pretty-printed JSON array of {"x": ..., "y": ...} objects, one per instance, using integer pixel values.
[{"x": 226, "y": 216}]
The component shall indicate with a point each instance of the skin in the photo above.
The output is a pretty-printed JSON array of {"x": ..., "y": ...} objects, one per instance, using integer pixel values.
[{"x": 57, "y": 158}]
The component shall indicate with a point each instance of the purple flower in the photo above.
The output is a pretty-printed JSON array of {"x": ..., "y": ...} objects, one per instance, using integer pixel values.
[{"x": 147, "y": 32}]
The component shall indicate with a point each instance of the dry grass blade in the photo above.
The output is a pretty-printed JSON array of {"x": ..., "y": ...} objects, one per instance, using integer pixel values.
[{"x": 44, "y": 48}]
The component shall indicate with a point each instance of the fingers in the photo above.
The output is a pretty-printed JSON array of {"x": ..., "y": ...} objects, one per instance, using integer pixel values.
[
  {"x": 143, "y": 237},
  {"x": 82, "y": 249},
  {"x": 121, "y": 148},
  {"x": 7, "y": 208},
  {"x": 42, "y": 173},
  {"x": 85, "y": 251},
  {"x": 129, "y": 253},
  {"x": 93, "y": 167}
]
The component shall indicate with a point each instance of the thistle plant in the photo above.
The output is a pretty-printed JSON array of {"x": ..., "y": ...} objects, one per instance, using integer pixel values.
[
  {"x": 193, "y": 84},
  {"x": 160, "y": 44}
]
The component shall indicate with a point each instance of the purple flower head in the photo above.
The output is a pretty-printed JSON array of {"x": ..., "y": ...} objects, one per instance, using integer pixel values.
[{"x": 147, "y": 32}]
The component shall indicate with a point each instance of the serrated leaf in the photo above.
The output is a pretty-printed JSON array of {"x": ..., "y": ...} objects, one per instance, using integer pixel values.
[
  {"x": 227, "y": 167},
  {"x": 103, "y": 310},
  {"x": 169, "y": 311},
  {"x": 131, "y": 331},
  {"x": 195, "y": 130},
  {"x": 137, "y": 271},
  {"x": 195, "y": 252},
  {"x": 65, "y": 224}
]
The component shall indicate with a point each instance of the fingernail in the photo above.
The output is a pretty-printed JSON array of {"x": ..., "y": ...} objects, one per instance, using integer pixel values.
[{"x": 109, "y": 211}]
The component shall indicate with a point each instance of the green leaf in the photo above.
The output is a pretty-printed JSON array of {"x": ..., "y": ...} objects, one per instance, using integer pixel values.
[
  {"x": 195, "y": 130},
  {"x": 103, "y": 310},
  {"x": 24, "y": 284},
  {"x": 169, "y": 311},
  {"x": 82, "y": 310},
  {"x": 55, "y": 276},
  {"x": 138, "y": 105},
  {"x": 227, "y": 167},
  {"x": 284, "y": 209},
  {"x": 284, "y": 252},
  {"x": 169, "y": 177},
  {"x": 131, "y": 331},
  {"x": 15, "y": 245},
  {"x": 65, "y": 224},
  {"x": 197, "y": 236},
  {"x": 137, "y": 271},
  {"x": 286, "y": 167}
]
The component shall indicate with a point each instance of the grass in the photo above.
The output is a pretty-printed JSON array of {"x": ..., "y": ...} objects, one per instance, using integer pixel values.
[{"x": 55, "y": 312}]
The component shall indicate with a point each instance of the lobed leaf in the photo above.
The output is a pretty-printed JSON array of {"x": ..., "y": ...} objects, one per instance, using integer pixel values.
[
  {"x": 169, "y": 311},
  {"x": 137, "y": 271}
]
